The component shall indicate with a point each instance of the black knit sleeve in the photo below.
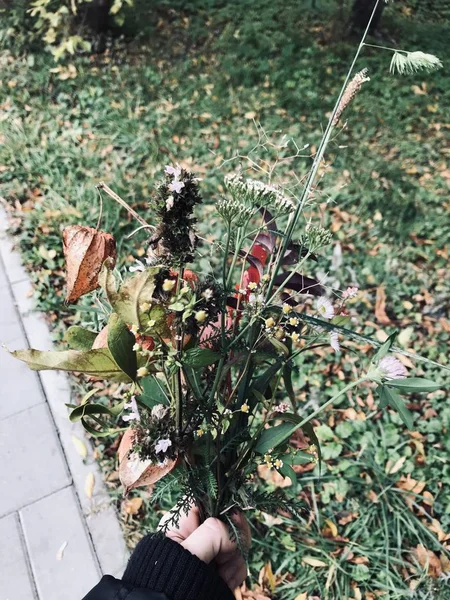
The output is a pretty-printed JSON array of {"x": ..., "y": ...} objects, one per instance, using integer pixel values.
[{"x": 162, "y": 565}]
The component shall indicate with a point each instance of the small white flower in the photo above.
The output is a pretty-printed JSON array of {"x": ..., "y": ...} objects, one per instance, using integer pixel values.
[
  {"x": 169, "y": 202},
  {"x": 334, "y": 341},
  {"x": 252, "y": 299},
  {"x": 159, "y": 411},
  {"x": 175, "y": 171},
  {"x": 176, "y": 186},
  {"x": 208, "y": 294},
  {"x": 134, "y": 414},
  {"x": 162, "y": 445},
  {"x": 138, "y": 267},
  {"x": 391, "y": 368},
  {"x": 325, "y": 308}
]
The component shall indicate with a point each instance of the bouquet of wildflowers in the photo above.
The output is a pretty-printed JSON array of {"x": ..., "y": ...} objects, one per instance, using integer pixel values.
[{"x": 206, "y": 360}]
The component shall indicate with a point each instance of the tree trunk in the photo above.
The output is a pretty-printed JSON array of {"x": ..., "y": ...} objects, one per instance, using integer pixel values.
[
  {"x": 97, "y": 15},
  {"x": 361, "y": 11}
]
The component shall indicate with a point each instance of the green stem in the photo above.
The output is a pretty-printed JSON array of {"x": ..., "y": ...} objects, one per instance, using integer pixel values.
[
  {"x": 328, "y": 403},
  {"x": 385, "y": 48},
  {"x": 318, "y": 158}
]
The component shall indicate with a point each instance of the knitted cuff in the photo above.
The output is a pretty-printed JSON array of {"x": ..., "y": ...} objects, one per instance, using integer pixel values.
[{"x": 162, "y": 565}]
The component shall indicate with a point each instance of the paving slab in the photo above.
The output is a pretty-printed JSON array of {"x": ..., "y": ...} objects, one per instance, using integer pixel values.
[
  {"x": 15, "y": 577},
  {"x": 62, "y": 559},
  {"x": 32, "y": 462}
]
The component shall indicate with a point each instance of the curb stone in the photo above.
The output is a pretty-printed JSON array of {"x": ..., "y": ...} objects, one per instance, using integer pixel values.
[{"x": 99, "y": 515}]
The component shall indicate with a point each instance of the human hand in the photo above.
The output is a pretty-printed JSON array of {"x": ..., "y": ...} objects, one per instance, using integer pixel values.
[{"x": 210, "y": 541}]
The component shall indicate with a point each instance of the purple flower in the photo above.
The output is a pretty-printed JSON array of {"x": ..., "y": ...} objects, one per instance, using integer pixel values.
[
  {"x": 282, "y": 407},
  {"x": 391, "y": 368},
  {"x": 175, "y": 171},
  {"x": 176, "y": 186}
]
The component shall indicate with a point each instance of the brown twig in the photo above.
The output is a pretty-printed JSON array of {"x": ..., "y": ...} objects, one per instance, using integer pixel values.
[{"x": 119, "y": 200}]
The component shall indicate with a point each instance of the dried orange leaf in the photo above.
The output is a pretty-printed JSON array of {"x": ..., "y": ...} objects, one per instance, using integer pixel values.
[
  {"x": 132, "y": 506},
  {"x": 85, "y": 250},
  {"x": 135, "y": 472},
  {"x": 380, "y": 307}
]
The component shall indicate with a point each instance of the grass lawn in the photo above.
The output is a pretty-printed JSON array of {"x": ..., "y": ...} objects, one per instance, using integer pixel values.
[{"x": 192, "y": 89}]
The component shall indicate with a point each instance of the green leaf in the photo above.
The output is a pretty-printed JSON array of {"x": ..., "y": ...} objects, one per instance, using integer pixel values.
[
  {"x": 341, "y": 320},
  {"x": 414, "y": 384},
  {"x": 120, "y": 344},
  {"x": 177, "y": 306},
  {"x": 287, "y": 471},
  {"x": 261, "y": 383},
  {"x": 287, "y": 378},
  {"x": 96, "y": 363},
  {"x": 279, "y": 346},
  {"x": 80, "y": 412},
  {"x": 153, "y": 392},
  {"x": 132, "y": 294},
  {"x": 298, "y": 458},
  {"x": 385, "y": 347},
  {"x": 272, "y": 438},
  {"x": 200, "y": 357},
  {"x": 96, "y": 433},
  {"x": 79, "y": 338},
  {"x": 392, "y": 398},
  {"x": 193, "y": 380}
]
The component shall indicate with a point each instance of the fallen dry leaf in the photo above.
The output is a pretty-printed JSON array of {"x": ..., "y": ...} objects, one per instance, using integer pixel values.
[
  {"x": 380, "y": 307},
  {"x": 89, "y": 485},
  {"x": 267, "y": 578},
  {"x": 271, "y": 521},
  {"x": 330, "y": 530},
  {"x": 272, "y": 476},
  {"x": 135, "y": 472},
  {"x": 85, "y": 251},
  {"x": 60, "y": 553},
  {"x": 314, "y": 562},
  {"x": 80, "y": 446},
  {"x": 132, "y": 506},
  {"x": 428, "y": 560},
  {"x": 303, "y": 596},
  {"x": 392, "y": 468}
]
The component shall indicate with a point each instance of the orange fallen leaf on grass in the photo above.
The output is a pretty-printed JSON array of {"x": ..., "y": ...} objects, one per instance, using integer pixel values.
[
  {"x": 428, "y": 560},
  {"x": 135, "y": 472},
  {"x": 380, "y": 307},
  {"x": 85, "y": 251},
  {"x": 132, "y": 506}
]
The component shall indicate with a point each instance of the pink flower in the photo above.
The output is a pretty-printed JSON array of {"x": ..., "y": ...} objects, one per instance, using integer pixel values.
[
  {"x": 325, "y": 308},
  {"x": 334, "y": 341},
  {"x": 162, "y": 445},
  {"x": 176, "y": 186},
  {"x": 282, "y": 407},
  {"x": 391, "y": 368},
  {"x": 350, "y": 292}
]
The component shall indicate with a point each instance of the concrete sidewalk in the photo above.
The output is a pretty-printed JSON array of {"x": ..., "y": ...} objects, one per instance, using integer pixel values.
[{"x": 55, "y": 541}]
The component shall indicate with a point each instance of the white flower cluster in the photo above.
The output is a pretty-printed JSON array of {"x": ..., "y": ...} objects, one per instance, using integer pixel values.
[
  {"x": 315, "y": 238},
  {"x": 410, "y": 62},
  {"x": 233, "y": 211},
  {"x": 258, "y": 194}
]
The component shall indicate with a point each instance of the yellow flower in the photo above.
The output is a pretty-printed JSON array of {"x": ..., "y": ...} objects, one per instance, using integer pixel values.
[
  {"x": 134, "y": 329},
  {"x": 169, "y": 284},
  {"x": 286, "y": 309},
  {"x": 252, "y": 285},
  {"x": 145, "y": 306},
  {"x": 279, "y": 334},
  {"x": 137, "y": 347},
  {"x": 267, "y": 458},
  {"x": 245, "y": 408},
  {"x": 293, "y": 321},
  {"x": 295, "y": 336},
  {"x": 270, "y": 322},
  {"x": 278, "y": 463},
  {"x": 200, "y": 316},
  {"x": 266, "y": 277},
  {"x": 200, "y": 432},
  {"x": 142, "y": 372},
  {"x": 152, "y": 323}
]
